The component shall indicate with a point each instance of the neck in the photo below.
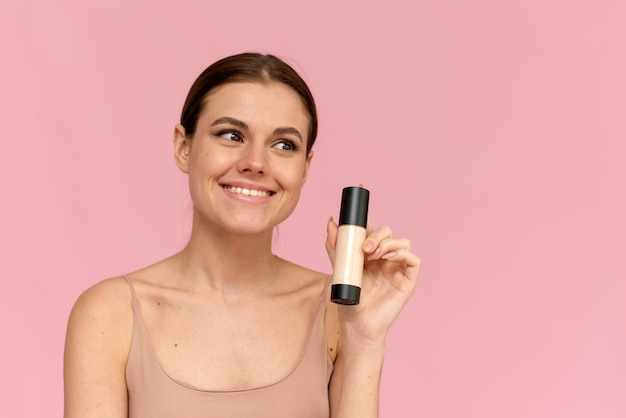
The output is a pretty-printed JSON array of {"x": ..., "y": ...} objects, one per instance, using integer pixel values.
[{"x": 229, "y": 263}]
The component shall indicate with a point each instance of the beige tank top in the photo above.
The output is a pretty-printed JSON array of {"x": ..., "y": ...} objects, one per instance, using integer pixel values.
[{"x": 302, "y": 393}]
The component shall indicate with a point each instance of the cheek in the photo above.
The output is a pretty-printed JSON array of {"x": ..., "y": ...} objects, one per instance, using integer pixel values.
[
  {"x": 207, "y": 162},
  {"x": 201, "y": 169},
  {"x": 291, "y": 175}
]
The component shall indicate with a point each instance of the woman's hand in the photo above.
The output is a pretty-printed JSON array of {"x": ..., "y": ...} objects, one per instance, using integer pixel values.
[{"x": 389, "y": 278}]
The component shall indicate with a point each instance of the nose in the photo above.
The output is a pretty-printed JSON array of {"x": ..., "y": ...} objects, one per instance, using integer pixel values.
[{"x": 253, "y": 159}]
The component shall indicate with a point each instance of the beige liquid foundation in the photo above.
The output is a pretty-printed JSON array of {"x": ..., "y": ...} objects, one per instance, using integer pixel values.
[{"x": 349, "y": 255}]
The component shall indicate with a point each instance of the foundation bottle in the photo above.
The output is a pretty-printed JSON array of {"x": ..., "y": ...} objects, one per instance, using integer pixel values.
[{"x": 349, "y": 255}]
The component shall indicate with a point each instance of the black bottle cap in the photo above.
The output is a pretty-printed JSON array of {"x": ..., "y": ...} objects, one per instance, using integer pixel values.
[
  {"x": 345, "y": 294},
  {"x": 354, "y": 204}
]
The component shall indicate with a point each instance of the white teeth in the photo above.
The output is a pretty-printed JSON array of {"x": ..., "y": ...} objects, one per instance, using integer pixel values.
[{"x": 247, "y": 192}]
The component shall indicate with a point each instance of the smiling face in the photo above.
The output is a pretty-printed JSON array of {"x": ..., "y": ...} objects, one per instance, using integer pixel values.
[{"x": 247, "y": 158}]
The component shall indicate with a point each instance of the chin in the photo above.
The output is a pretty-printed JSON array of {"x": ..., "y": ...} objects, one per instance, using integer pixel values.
[{"x": 248, "y": 226}]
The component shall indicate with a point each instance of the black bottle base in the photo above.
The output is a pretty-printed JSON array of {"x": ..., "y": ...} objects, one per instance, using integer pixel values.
[{"x": 345, "y": 294}]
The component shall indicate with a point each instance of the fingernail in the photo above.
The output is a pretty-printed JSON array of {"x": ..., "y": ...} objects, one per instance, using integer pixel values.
[
  {"x": 374, "y": 255},
  {"x": 389, "y": 255},
  {"x": 369, "y": 246}
]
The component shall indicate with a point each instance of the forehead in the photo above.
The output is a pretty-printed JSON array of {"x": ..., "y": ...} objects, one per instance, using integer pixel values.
[{"x": 257, "y": 99}]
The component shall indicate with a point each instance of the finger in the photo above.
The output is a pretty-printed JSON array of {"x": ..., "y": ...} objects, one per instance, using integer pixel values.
[
  {"x": 331, "y": 239},
  {"x": 373, "y": 240},
  {"x": 412, "y": 262},
  {"x": 389, "y": 245}
]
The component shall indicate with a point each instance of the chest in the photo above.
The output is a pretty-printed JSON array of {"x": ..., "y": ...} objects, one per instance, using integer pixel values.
[{"x": 218, "y": 347}]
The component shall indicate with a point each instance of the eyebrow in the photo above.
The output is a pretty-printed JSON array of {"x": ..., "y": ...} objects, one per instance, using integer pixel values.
[
  {"x": 283, "y": 130},
  {"x": 230, "y": 121},
  {"x": 288, "y": 130}
]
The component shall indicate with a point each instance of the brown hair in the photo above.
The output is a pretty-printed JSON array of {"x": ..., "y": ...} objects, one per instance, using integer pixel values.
[{"x": 248, "y": 66}]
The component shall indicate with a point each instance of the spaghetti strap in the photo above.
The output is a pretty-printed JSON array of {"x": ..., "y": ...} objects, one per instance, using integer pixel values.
[
  {"x": 132, "y": 288},
  {"x": 325, "y": 291}
]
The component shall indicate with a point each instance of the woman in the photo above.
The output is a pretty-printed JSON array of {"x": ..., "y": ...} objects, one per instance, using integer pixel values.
[{"x": 225, "y": 328}]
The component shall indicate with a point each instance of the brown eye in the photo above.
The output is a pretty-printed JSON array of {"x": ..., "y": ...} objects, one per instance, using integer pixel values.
[
  {"x": 286, "y": 146},
  {"x": 231, "y": 135}
]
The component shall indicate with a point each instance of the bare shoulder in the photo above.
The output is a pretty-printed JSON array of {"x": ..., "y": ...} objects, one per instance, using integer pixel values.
[
  {"x": 101, "y": 318},
  {"x": 302, "y": 278},
  {"x": 318, "y": 281},
  {"x": 313, "y": 282},
  {"x": 101, "y": 321},
  {"x": 97, "y": 343},
  {"x": 107, "y": 303}
]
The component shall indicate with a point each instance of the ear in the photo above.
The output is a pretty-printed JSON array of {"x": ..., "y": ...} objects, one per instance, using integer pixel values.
[
  {"x": 182, "y": 148},
  {"x": 307, "y": 164}
]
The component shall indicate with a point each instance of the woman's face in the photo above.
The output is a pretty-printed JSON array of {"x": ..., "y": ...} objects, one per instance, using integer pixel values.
[{"x": 247, "y": 160}]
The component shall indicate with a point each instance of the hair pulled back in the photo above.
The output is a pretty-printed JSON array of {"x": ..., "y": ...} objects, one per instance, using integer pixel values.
[{"x": 248, "y": 66}]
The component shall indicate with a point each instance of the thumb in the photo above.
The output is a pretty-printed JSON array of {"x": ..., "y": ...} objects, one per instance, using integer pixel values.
[{"x": 331, "y": 239}]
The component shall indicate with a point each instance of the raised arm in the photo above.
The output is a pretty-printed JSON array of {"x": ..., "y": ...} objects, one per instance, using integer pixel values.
[
  {"x": 96, "y": 349},
  {"x": 389, "y": 279}
]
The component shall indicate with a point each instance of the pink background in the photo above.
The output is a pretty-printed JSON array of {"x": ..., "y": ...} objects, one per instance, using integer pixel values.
[{"x": 492, "y": 133}]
